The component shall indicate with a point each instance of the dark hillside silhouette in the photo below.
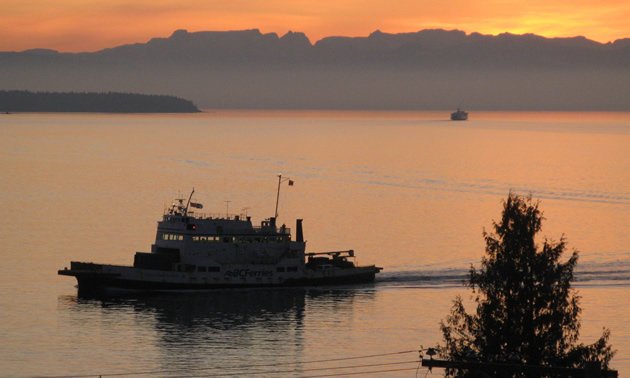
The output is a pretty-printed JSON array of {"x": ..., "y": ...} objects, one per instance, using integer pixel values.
[{"x": 429, "y": 69}]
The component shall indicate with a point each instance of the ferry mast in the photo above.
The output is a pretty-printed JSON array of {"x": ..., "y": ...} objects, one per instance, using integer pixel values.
[{"x": 280, "y": 181}]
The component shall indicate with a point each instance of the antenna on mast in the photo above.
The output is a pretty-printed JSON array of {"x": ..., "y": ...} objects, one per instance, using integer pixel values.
[
  {"x": 188, "y": 203},
  {"x": 227, "y": 209}
]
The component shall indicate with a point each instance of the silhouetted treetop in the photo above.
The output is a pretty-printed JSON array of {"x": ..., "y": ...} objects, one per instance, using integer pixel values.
[{"x": 525, "y": 304}]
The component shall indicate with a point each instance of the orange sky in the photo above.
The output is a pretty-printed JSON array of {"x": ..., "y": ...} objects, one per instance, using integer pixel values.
[{"x": 91, "y": 25}]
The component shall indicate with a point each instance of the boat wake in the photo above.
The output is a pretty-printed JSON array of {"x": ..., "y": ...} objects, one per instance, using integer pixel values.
[
  {"x": 437, "y": 278},
  {"x": 589, "y": 274},
  {"x": 613, "y": 273}
]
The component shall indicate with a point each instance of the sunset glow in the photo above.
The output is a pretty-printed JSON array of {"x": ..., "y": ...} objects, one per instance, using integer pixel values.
[{"x": 73, "y": 25}]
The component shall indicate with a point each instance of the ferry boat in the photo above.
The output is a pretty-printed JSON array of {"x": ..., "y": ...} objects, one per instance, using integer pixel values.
[
  {"x": 459, "y": 115},
  {"x": 194, "y": 251}
]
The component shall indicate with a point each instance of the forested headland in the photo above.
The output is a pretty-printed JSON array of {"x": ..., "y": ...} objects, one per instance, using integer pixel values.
[{"x": 92, "y": 102}]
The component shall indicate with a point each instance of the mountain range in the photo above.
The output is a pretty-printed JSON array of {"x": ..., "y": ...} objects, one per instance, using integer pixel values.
[{"x": 429, "y": 69}]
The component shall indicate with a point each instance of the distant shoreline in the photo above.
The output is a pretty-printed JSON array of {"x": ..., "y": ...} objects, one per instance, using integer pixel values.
[{"x": 17, "y": 101}]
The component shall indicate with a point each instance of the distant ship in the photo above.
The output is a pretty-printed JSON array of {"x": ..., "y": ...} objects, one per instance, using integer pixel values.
[
  {"x": 195, "y": 251},
  {"x": 459, "y": 115}
]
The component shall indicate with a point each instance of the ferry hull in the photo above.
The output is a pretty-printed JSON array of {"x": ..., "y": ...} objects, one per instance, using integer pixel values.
[{"x": 97, "y": 280}]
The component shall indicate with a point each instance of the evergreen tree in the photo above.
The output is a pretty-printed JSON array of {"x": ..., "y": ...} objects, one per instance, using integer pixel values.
[{"x": 526, "y": 307}]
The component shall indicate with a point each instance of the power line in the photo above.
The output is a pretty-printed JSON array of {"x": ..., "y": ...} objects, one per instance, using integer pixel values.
[
  {"x": 320, "y": 369},
  {"x": 362, "y": 372},
  {"x": 187, "y": 370}
]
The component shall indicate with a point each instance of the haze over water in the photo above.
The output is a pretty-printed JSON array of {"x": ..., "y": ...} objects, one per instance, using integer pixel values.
[{"x": 408, "y": 191}]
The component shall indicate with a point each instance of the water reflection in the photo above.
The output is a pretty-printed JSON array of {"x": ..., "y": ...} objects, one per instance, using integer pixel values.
[{"x": 253, "y": 331}]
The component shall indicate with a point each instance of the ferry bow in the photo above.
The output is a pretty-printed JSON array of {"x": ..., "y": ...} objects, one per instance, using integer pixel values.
[{"x": 459, "y": 115}]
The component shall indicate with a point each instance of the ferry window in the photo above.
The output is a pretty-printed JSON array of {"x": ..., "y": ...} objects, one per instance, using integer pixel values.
[
  {"x": 292, "y": 269},
  {"x": 280, "y": 269},
  {"x": 164, "y": 236},
  {"x": 214, "y": 269},
  {"x": 172, "y": 237},
  {"x": 201, "y": 268},
  {"x": 227, "y": 239}
]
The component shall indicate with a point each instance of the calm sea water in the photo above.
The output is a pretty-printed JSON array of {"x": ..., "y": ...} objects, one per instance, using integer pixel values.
[{"x": 408, "y": 191}]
